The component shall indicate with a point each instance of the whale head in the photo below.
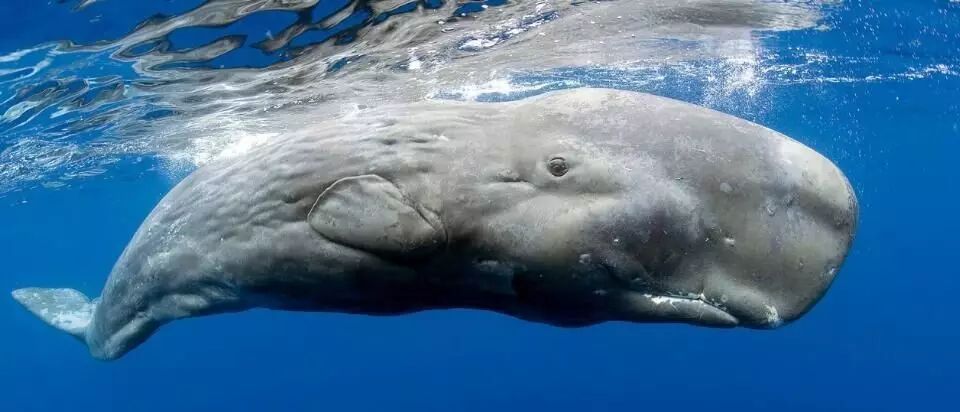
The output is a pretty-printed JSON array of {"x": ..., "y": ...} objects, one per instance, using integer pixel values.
[{"x": 611, "y": 205}]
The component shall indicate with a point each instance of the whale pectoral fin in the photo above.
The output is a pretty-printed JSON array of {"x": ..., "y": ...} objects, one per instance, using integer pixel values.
[
  {"x": 371, "y": 213},
  {"x": 65, "y": 309}
]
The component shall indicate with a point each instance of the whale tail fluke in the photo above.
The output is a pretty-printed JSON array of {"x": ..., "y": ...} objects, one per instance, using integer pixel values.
[{"x": 65, "y": 309}]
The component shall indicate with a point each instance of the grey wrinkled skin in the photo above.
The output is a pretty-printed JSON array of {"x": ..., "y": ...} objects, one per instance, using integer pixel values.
[{"x": 667, "y": 212}]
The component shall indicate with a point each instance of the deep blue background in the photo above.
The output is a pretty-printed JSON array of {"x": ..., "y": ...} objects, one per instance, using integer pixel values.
[{"x": 885, "y": 338}]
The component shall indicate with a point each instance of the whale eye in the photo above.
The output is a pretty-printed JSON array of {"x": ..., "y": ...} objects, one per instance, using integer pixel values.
[{"x": 557, "y": 166}]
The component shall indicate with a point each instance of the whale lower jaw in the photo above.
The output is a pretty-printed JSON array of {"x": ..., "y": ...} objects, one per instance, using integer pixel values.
[{"x": 677, "y": 308}]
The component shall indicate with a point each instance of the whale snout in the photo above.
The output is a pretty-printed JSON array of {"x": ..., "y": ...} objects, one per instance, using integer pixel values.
[
  {"x": 777, "y": 265},
  {"x": 754, "y": 239}
]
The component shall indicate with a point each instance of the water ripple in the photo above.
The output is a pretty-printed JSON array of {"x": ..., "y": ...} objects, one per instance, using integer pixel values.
[{"x": 187, "y": 85}]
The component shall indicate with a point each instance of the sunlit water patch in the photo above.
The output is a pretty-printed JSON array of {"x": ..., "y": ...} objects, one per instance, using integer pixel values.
[{"x": 195, "y": 81}]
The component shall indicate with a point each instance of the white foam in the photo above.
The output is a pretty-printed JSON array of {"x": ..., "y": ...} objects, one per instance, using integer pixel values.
[
  {"x": 501, "y": 85},
  {"x": 773, "y": 316}
]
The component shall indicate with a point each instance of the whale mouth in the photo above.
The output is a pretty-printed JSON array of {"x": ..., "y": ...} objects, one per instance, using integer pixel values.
[
  {"x": 680, "y": 308},
  {"x": 663, "y": 306}
]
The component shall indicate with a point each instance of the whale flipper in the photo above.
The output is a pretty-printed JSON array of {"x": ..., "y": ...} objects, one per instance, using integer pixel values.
[
  {"x": 371, "y": 213},
  {"x": 65, "y": 309}
]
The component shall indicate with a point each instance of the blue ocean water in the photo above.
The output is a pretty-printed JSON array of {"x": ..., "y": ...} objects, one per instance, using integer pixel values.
[{"x": 880, "y": 96}]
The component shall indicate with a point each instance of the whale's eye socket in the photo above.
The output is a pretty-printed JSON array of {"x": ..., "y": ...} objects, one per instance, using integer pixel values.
[{"x": 557, "y": 166}]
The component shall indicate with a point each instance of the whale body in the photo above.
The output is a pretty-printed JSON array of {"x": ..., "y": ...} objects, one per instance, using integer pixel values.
[{"x": 570, "y": 208}]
